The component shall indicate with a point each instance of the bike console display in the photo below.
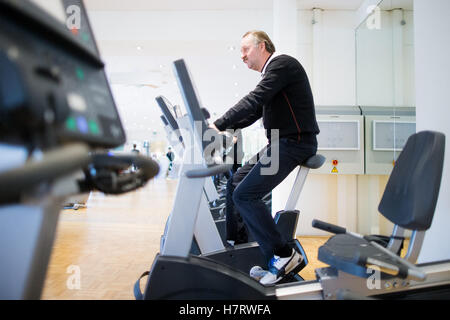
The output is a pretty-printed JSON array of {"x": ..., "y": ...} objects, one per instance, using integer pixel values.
[{"x": 53, "y": 88}]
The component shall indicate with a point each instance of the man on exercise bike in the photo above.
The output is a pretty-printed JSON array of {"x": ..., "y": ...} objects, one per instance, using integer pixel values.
[{"x": 284, "y": 100}]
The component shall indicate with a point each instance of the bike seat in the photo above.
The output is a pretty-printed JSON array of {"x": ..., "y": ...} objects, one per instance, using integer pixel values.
[{"x": 314, "y": 162}]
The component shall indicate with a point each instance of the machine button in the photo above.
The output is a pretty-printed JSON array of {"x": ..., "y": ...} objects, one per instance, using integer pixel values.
[
  {"x": 93, "y": 127},
  {"x": 80, "y": 73},
  {"x": 76, "y": 102},
  {"x": 115, "y": 131},
  {"x": 71, "y": 124},
  {"x": 82, "y": 125},
  {"x": 85, "y": 36}
]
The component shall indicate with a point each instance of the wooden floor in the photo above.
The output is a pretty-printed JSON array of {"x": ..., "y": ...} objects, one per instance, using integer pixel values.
[{"x": 101, "y": 251}]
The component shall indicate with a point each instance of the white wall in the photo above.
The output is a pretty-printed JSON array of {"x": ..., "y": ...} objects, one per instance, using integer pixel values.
[
  {"x": 432, "y": 52},
  {"x": 327, "y": 51},
  {"x": 386, "y": 61},
  {"x": 375, "y": 64}
]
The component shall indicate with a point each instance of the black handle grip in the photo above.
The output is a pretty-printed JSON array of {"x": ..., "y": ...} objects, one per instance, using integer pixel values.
[
  {"x": 328, "y": 227},
  {"x": 148, "y": 168},
  {"x": 209, "y": 172},
  {"x": 111, "y": 178}
]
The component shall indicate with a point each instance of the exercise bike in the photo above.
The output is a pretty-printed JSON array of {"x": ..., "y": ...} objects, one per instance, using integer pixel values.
[{"x": 184, "y": 219}]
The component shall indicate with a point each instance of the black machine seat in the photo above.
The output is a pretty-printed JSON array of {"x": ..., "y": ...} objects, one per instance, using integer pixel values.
[
  {"x": 314, "y": 162},
  {"x": 409, "y": 200}
]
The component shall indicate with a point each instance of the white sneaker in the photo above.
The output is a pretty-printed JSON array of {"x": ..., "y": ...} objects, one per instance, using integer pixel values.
[
  {"x": 257, "y": 273},
  {"x": 279, "y": 267}
]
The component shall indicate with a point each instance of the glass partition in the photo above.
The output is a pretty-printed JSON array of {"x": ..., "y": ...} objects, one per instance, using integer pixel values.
[
  {"x": 385, "y": 92},
  {"x": 385, "y": 56}
]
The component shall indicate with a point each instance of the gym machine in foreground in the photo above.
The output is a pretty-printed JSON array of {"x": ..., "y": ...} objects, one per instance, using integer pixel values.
[{"x": 56, "y": 109}]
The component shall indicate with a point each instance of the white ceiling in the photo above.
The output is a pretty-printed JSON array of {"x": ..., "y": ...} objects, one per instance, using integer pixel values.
[
  {"x": 142, "y": 5},
  {"x": 330, "y": 4}
]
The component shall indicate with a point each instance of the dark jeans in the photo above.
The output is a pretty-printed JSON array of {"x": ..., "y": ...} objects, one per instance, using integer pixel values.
[
  {"x": 247, "y": 196},
  {"x": 235, "y": 226},
  {"x": 236, "y": 229}
]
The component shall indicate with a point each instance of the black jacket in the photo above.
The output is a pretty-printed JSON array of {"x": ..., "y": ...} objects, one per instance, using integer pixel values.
[{"x": 283, "y": 98}]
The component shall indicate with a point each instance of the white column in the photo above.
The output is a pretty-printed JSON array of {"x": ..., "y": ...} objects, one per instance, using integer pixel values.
[
  {"x": 347, "y": 201},
  {"x": 285, "y": 26},
  {"x": 397, "y": 41},
  {"x": 368, "y": 219},
  {"x": 318, "y": 76},
  {"x": 432, "y": 65}
]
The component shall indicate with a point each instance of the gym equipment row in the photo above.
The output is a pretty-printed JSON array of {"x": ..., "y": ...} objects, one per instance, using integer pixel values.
[{"x": 352, "y": 258}]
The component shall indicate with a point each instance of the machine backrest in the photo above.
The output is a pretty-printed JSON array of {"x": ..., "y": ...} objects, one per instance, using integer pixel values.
[{"x": 411, "y": 194}]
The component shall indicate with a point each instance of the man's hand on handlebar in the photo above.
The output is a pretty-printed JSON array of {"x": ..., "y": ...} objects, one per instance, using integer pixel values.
[{"x": 213, "y": 126}]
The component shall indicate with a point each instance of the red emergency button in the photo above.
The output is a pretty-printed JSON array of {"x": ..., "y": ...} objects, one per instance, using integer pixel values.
[{"x": 335, "y": 162}]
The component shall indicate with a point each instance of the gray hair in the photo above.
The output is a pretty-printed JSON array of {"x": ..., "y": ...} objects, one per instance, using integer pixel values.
[{"x": 260, "y": 36}]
